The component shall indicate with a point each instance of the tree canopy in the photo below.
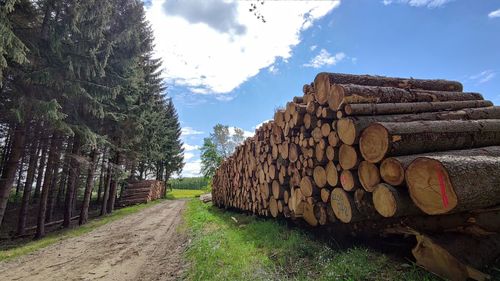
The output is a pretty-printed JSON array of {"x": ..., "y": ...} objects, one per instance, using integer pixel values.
[{"x": 79, "y": 84}]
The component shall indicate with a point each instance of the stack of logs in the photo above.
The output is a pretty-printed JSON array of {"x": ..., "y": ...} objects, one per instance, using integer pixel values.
[
  {"x": 137, "y": 192},
  {"x": 378, "y": 153}
]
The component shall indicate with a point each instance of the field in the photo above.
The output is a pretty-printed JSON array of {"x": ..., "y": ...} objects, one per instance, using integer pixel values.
[
  {"x": 184, "y": 193},
  {"x": 232, "y": 246}
]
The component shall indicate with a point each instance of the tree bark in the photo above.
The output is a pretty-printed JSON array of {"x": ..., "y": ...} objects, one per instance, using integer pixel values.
[
  {"x": 89, "y": 185},
  {"x": 101, "y": 176},
  {"x": 41, "y": 168},
  {"x": 33, "y": 160},
  {"x": 323, "y": 83},
  {"x": 107, "y": 182},
  {"x": 49, "y": 171},
  {"x": 355, "y": 94},
  {"x": 349, "y": 129},
  {"x": 454, "y": 181},
  {"x": 113, "y": 185},
  {"x": 411, "y": 107},
  {"x": 72, "y": 181},
  {"x": 393, "y": 139},
  {"x": 9, "y": 173}
]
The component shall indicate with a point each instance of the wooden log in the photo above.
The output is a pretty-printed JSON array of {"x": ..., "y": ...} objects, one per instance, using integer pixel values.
[
  {"x": 364, "y": 203},
  {"x": 392, "y": 202},
  {"x": 333, "y": 139},
  {"x": 273, "y": 207},
  {"x": 293, "y": 153},
  {"x": 454, "y": 181},
  {"x": 308, "y": 214},
  {"x": 320, "y": 213},
  {"x": 392, "y": 169},
  {"x": 384, "y": 139},
  {"x": 323, "y": 83},
  {"x": 349, "y": 180},
  {"x": 411, "y": 107},
  {"x": 278, "y": 190},
  {"x": 332, "y": 176},
  {"x": 350, "y": 93},
  {"x": 307, "y": 187},
  {"x": 349, "y": 129},
  {"x": 369, "y": 175},
  {"x": 319, "y": 176},
  {"x": 343, "y": 206},
  {"x": 325, "y": 195},
  {"x": 348, "y": 157}
]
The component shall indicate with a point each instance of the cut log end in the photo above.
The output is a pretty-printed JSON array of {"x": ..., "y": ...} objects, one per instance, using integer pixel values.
[
  {"x": 430, "y": 186},
  {"x": 369, "y": 175},
  {"x": 346, "y": 130},
  {"x": 392, "y": 172},
  {"x": 348, "y": 157},
  {"x": 374, "y": 143},
  {"x": 319, "y": 176},
  {"x": 384, "y": 201},
  {"x": 342, "y": 205}
]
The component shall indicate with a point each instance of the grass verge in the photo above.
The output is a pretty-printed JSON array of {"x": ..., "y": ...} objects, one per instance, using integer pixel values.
[
  {"x": 54, "y": 237},
  {"x": 184, "y": 193},
  {"x": 231, "y": 246}
]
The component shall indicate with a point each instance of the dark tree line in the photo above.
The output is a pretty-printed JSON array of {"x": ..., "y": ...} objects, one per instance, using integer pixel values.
[{"x": 82, "y": 107}]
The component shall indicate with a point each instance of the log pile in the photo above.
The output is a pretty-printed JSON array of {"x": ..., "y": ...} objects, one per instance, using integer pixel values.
[
  {"x": 144, "y": 191},
  {"x": 358, "y": 151}
]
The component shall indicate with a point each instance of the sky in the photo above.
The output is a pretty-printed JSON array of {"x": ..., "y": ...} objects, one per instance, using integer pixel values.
[{"x": 226, "y": 64}]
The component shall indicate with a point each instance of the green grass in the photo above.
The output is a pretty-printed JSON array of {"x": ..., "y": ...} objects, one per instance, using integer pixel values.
[
  {"x": 257, "y": 249},
  {"x": 54, "y": 237},
  {"x": 184, "y": 193}
]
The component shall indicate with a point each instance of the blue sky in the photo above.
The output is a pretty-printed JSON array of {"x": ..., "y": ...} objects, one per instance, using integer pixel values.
[{"x": 223, "y": 65}]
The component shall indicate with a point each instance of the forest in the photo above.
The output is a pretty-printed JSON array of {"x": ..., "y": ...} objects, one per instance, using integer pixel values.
[{"x": 82, "y": 110}]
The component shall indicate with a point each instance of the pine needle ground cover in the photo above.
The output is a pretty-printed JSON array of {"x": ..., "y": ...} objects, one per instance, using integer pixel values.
[{"x": 231, "y": 246}]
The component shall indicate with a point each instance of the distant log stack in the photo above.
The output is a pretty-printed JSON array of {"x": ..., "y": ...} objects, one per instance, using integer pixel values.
[
  {"x": 137, "y": 192},
  {"x": 360, "y": 150}
]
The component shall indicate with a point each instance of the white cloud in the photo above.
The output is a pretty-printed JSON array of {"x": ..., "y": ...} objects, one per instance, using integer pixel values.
[
  {"x": 188, "y": 131},
  {"x": 419, "y": 3},
  {"x": 313, "y": 47},
  {"x": 273, "y": 69},
  {"x": 325, "y": 58},
  {"x": 188, "y": 147},
  {"x": 192, "y": 169},
  {"x": 494, "y": 14},
  {"x": 213, "y": 46},
  {"x": 484, "y": 76},
  {"x": 188, "y": 155}
]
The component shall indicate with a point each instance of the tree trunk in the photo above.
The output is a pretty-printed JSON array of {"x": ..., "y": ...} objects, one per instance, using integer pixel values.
[
  {"x": 41, "y": 167},
  {"x": 89, "y": 185},
  {"x": 324, "y": 82},
  {"x": 55, "y": 187},
  {"x": 107, "y": 183},
  {"x": 72, "y": 181},
  {"x": 411, "y": 107},
  {"x": 350, "y": 94},
  {"x": 33, "y": 160},
  {"x": 369, "y": 175},
  {"x": 20, "y": 172},
  {"x": 113, "y": 187},
  {"x": 49, "y": 171},
  {"x": 349, "y": 129},
  {"x": 393, "y": 139},
  {"x": 101, "y": 175},
  {"x": 9, "y": 173},
  {"x": 455, "y": 181}
]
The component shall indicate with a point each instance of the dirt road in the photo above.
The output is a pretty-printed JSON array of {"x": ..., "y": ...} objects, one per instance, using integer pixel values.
[{"x": 142, "y": 246}]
